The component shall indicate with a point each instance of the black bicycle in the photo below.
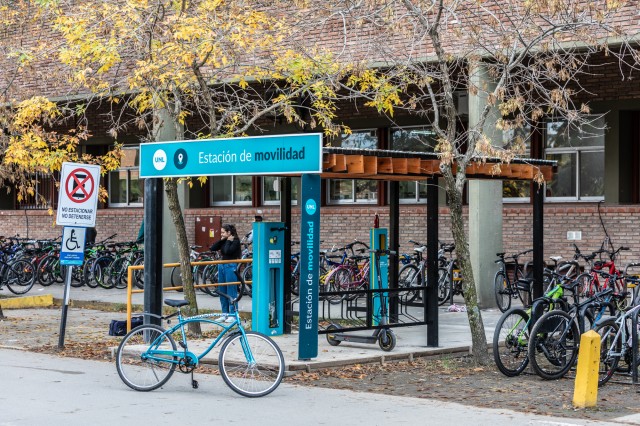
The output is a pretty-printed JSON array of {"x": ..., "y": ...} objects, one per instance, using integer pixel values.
[{"x": 506, "y": 286}]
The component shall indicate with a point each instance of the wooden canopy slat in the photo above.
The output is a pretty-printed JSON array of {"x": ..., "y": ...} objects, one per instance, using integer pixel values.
[
  {"x": 355, "y": 164},
  {"x": 385, "y": 165},
  {"x": 413, "y": 166},
  {"x": 400, "y": 166},
  {"x": 340, "y": 163},
  {"x": 370, "y": 165}
]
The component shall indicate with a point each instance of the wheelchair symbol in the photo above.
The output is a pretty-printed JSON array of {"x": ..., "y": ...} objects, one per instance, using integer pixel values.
[{"x": 72, "y": 242}]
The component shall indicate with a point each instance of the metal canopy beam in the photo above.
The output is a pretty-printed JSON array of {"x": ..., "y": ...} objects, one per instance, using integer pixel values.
[{"x": 431, "y": 302}]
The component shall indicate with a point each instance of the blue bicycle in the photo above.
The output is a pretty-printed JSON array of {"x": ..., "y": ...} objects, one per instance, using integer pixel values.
[{"x": 250, "y": 363}]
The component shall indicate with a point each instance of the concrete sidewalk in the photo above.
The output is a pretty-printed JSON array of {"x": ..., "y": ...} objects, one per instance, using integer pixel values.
[{"x": 454, "y": 334}]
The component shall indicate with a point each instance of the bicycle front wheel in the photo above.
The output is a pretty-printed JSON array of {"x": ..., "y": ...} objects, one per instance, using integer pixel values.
[
  {"x": 510, "y": 342},
  {"x": 139, "y": 359},
  {"x": 444, "y": 286},
  {"x": 553, "y": 346},
  {"x": 409, "y": 276},
  {"x": 251, "y": 364},
  {"x": 610, "y": 349}
]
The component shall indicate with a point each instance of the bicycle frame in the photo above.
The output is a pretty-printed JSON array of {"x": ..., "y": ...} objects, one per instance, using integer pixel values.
[
  {"x": 622, "y": 333},
  {"x": 178, "y": 356}
]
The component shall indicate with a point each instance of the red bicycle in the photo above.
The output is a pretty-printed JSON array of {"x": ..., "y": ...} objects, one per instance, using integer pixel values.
[{"x": 613, "y": 277}]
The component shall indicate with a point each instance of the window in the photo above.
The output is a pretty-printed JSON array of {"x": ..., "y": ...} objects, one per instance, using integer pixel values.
[
  {"x": 415, "y": 139},
  {"x": 44, "y": 193},
  {"x": 271, "y": 190},
  {"x": 230, "y": 190},
  {"x": 126, "y": 189},
  {"x": 519, "y": 140},
  {"x": 354, "y": 190},
  {"x": 580, "y": 156}
]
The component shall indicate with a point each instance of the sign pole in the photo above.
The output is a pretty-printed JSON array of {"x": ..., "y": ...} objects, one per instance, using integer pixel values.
[
  {"x": 65, "y": 307},
  {"x": 77, "y": 209}
]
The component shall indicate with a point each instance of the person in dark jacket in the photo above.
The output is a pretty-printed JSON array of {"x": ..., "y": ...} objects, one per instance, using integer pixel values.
[
  {"x": 229, "y": 246},
  {"x": 90, "y": 236}
]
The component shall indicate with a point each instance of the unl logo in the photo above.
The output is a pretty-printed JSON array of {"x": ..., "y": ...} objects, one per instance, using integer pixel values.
[{"x": 79, "y": 185}]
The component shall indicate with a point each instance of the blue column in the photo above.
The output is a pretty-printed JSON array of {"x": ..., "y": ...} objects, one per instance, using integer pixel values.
[{"x": 309, "y": 276}]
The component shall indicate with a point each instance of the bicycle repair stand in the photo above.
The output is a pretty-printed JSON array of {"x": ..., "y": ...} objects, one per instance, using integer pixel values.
[
  {"x": 268, "y": 273},
  {"x": 378, "y": 273}
]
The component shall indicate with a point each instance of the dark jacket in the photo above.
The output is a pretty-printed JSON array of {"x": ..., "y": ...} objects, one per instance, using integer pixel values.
[{"x": 230, "y": 249}]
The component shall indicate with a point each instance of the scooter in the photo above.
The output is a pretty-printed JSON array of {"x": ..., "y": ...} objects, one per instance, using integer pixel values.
[{"x": 384, "y": 336}]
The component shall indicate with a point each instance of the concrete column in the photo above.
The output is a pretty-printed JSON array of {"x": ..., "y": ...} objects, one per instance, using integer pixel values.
[{"x": 485, "y": 200}]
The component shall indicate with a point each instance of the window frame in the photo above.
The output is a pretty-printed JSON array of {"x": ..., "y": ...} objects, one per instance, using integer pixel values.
[
  {"x": 577, "y": 151},
  {"x": 128, "y": 186},
  {"x": 294, "y": 197},
  {"x": 233, "y": 201}
]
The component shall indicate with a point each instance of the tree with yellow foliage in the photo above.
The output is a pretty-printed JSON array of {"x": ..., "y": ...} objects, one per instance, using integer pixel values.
[
  {"x": 36, "y": 134},
  {"x": 207, "y": 68}
]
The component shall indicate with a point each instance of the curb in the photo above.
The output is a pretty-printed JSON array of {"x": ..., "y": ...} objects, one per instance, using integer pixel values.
[{"x": 42, "y": 301}]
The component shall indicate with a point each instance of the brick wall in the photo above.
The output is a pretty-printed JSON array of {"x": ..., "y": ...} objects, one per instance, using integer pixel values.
[{"x": 342, "y": 224}]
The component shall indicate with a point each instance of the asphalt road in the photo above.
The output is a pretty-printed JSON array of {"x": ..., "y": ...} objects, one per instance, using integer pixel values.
[{"x": 40, "y": 389}]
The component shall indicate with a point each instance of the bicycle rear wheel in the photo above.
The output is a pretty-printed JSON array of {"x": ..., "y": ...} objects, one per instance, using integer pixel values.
[
  {"x": 252, "y": 366},
  {"x": 510, "y": 342},
  {"x": 20, "y": 276},
  {"x": 133, "y": 358},
  {"x": 501, "y": 290},
  {"x": 247, "y": 276},
  {"x": 210, "y": 276}
]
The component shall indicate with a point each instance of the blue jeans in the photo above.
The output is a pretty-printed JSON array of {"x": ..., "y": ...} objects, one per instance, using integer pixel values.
[{"x": 227, "y": 274}]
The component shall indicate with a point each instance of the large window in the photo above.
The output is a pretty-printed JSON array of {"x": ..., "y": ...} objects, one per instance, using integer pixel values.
[
  {"x": 271, "y": 190},
  {"x": 354, "y": 190},
  {"x": 126, "y": 189},
  {"x": 580, "y": 157},
  {"x": 518, "y": 140},
  {"x": 414, "y": 139},
  {"x": 230, "y": 190}
]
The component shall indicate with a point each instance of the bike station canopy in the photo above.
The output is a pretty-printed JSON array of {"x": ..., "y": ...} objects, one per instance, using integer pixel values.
[{"x": 284, "y": 155}]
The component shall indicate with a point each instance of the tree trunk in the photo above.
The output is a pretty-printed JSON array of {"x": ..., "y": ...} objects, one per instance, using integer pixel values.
[
  {"x": 171, "y": 188},
  {"x": 1, "y": 314},
  {"x": 478, "y": 336}
]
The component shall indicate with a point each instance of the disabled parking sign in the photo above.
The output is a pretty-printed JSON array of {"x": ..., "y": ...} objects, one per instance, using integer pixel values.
[{"x": 72, "y": 250}]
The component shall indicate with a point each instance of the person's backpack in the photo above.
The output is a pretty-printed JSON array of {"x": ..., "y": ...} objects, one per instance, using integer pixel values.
[{"x": 119, "y": 328}]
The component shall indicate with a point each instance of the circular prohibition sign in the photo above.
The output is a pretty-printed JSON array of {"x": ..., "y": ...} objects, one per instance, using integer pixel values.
[{"x": 79, "y": 185}]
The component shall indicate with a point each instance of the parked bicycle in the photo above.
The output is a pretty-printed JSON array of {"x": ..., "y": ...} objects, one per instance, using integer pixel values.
[
  {"x": 511, "y": 286},
  {"x": 616, "y": 345},
  {"x": 250, "y": 363}
]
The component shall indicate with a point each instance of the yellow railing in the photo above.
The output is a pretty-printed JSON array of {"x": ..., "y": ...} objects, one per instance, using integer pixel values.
[{"x": 130, "y": 289}]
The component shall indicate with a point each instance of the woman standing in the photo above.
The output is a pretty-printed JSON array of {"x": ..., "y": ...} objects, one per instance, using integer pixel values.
[{"x": 229, "y": 246}]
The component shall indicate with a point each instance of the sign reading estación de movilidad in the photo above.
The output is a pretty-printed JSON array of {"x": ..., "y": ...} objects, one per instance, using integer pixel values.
[{"x": 259, "y": 155}]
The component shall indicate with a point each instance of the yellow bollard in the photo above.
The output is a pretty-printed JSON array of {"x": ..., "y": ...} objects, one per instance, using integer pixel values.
[{"x": 585, "y": 393}]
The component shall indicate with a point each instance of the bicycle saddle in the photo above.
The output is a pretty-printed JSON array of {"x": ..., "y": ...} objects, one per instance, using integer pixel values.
[{"x": 176, "y": 303}]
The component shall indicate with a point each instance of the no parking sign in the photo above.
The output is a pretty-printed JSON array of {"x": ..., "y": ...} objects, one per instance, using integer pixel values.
[{"x": 78, "y": 195}]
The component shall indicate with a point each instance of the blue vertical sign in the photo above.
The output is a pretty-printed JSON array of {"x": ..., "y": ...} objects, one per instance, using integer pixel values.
[{"x": 309, "y": 259}]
